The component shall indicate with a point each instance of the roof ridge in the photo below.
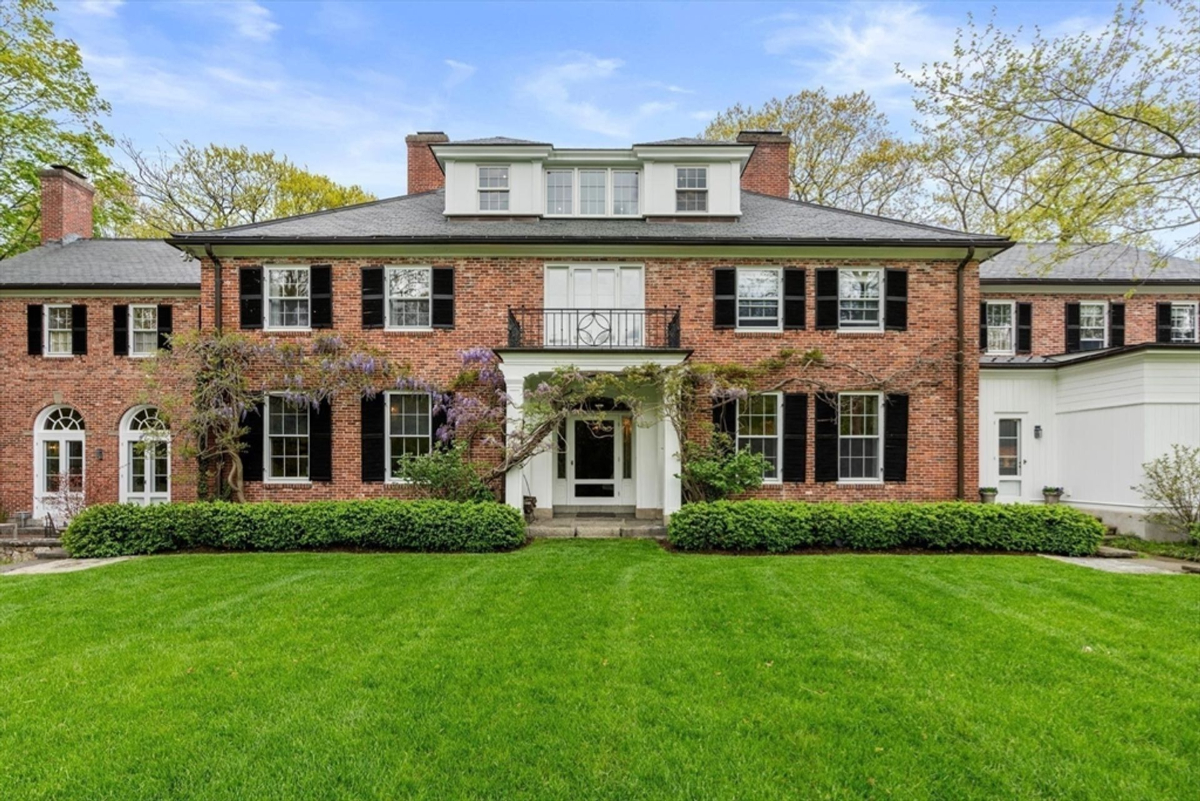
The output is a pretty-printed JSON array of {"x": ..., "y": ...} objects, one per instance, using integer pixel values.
[
  {"x": 923, "y": 226},
  {"x": 305, "y": 216}
]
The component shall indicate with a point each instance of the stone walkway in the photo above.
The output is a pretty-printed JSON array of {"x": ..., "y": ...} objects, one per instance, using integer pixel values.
[
  {"x": 1138, "y": 566},
  {"x": 59, "y": 566}
]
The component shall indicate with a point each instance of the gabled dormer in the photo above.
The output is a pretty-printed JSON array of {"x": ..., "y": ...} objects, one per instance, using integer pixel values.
[{"x": 676, "y": 179}]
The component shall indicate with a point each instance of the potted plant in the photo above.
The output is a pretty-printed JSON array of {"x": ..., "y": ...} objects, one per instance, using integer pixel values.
[
  {"x": 987, "y": 494},
  {"x": 1052, "y": 494}
]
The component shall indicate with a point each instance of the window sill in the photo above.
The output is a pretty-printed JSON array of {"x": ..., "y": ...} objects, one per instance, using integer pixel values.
[
  {"x": 287, "y": 330},
  {"x": 763, "y": 330},
  {"x": 859, "y": 482},
  {"x": 287, "y": 482},
  {"x": 401, "y": 330},
  {"x": 861, "y": 331},
  {"x": 57, "y": 355}
]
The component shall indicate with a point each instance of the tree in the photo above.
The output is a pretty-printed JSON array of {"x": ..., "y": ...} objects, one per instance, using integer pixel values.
[
  {"x": 844, "y": 152},
  {"x": 1084, "y": 137},
  {"x": 49, "y": 114},
  {"x": 189, "y": 188}
]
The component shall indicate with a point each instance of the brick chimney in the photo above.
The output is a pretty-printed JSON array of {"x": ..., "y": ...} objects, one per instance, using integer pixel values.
[
  {"x": 66, "y": 203},
  {"x": 424, "y": 172},
  {"x": 769, "y": 170}
]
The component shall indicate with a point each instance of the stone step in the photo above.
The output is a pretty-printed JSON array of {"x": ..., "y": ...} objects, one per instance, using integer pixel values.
[
  {"x": 50, "y": 552},
  {"x": 599, "y": 529},
  {"x": 1115, "y": 553},
  {"x": 1190, "y": 567}
]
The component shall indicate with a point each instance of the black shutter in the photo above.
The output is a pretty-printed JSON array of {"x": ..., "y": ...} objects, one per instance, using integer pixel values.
[
  {"x": 724, "y": 297},
  {"x": 1024, "y": 328},
  {"x": 895, "y": 438},
  {"x": 372, "y": 297},
  {"x": 321, "y": 287},
  {"x": 895, "y": 313},
  {"x": 1163, "y": 322},
  {"x": 320, "y": 443},
  {"x": 1116, "y": 325},
  {"x": 793, "y": 300},
  {"x": 1072, "y": 319},
  {"x": 795, "y": 436},
  {"x": 33, "y": 318},
  {"x": 438, "y": 419},
  {"x": 121, "y": 330},
  {"x": 374, "y": 414},
  {"x": 825, "y": 446},
  {"x": 724, "y": 418},
  {"x": 252, "y": 454},
  {"x": 443, "y": 297},
  {"x": 827, "y": 299},
  {"x": 166, "y": 325},
  {"x": 250, "y": 297},
  {"x": 79, "y": 330},
  {"x": 983, "y": 338}
]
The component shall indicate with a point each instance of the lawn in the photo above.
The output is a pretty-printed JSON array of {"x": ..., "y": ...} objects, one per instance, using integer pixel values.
[{"x": 598, "y": 669}]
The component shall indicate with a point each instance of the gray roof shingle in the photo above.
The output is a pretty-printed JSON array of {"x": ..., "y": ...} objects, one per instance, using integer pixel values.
[
  {"x": 1047, "y": 262},
  {"x": 495, "y": 140},
  {"x": 419, "y": 217},
  {"x": 691, "y": 140},
  {"x": 143, "y": 263}
]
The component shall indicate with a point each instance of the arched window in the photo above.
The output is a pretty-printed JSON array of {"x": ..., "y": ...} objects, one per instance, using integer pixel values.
[
  {"x": 58, "y": 463},
  {"x": 145, "y": 457}
]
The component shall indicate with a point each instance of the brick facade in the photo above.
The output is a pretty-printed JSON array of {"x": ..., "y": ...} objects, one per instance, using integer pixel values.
[
  {"x": 769, "y": 170},
  {"x": 100, "y": 386},
  {"x": 424, "y": 172},
  {"x": 66, "y": 204}
]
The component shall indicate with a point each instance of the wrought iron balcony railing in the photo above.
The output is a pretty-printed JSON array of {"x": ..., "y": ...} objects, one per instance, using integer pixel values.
[{"x": 583, "y": 329}]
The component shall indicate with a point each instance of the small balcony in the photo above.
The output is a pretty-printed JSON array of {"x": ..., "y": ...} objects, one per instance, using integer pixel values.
[{"x": 593, "y": 329}]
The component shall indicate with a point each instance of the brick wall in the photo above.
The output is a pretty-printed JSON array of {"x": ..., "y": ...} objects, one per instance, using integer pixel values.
[
  {"x": 1049, "y": 314},
  {"x": 66, "y": 204},
  {"x": 101, "y": 386},
  {"x": 769, "y": 170},
  {"x": 424, "y": 172}
]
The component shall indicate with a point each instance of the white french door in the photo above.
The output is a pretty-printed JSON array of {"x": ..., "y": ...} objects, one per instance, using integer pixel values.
[
  {"x": 58, "y": 476},
  {"x": 147, "y": 472},
  {"x": 594, "y": 306}
]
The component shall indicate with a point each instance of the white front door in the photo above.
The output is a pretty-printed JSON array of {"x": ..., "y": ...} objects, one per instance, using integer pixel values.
[
  {"x": 58, "y": 476},
  {"x": 1010, "y": 458},
  {"x": 598, "y": 459}
]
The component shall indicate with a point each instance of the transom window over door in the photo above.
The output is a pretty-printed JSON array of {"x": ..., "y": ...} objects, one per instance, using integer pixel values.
[
  {"x": 691, "y": 189},
  {"x": 859, "y": 437},
  {"x": 758, "y": 429},
  {"x": 288, "y": 297},
  {"x": 1093, "y": 326},
  {"x": 758, "y": 298},
  {"x": 493, "y": 188},
  {"x": 408, "y": 297},
  {"x": 859, "y": 299},
  {"x": 1000, "y": 327}
]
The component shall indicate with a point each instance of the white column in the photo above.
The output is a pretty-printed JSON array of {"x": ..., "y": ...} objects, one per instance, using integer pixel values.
[
  {"x": 514, "y": 489},
  {"x": 672, "y": 488}
]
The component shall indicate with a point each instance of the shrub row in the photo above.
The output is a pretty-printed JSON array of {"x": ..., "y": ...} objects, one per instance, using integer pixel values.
[
  {"x": 780, "y": 526},
  {"x": 389, "y": 524}
]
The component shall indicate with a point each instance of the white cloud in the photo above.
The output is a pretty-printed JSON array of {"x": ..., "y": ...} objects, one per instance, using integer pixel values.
[
  {"x": 703, "y": 116},
  {"x": 459, "y": 72},
  {"x": 247, "y": 17},
  {"x": 655, "y": 107},
  {"x": 553, "y": 89},
  {"x": 99, "y": 8},
  {"x": 672, "y": 88}
]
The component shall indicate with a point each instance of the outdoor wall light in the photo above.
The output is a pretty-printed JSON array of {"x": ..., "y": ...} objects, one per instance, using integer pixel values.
[
  {"x": 99, "y": 454},
  {"x": 1037, "y": 432}
]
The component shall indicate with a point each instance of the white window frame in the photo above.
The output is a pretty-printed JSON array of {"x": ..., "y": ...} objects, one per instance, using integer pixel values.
[
  {"x": 45, "y": 501},
  {"x": 878, "y": 324},
  {"x": 267, "y": 298},
  {"x": 136, "y": 436},
  {"x": 133, "y": 352},
  {"x": 577, "y": 192},
  {"x": 1000, "y": 475},
  {"x": 506, "y": 189},
  {"x": 389, "y": 324},
  {"x": 704, "y": 169},
  {"x": 1195, "y": 307},
  {"x": 46, "y": 332},
  {"x": 267, "y": 477},
  {"x": 1104, "y": 324},
  {"x": 612, "y": 191},
  {"x": 878, "y": 437},
  {"x": 1012, "y": 327},
  {"x": 578, "y": 184},
  {"x": 573, "y": 195},
  {"x": 387, "y": 432},
  {"x": 737, "y": 291},
  {"x": 738, "y": 437}
]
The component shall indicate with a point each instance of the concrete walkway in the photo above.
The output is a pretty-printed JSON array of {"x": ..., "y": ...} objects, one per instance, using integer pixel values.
[
  {"x": 60, "y": 566},
  {"x": 1137, "y": 566}
]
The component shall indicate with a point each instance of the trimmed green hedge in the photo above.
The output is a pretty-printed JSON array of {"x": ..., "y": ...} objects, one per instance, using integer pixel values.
[
  {"x": 780, "y": 526},
  {"x": 387, "y": 524}
]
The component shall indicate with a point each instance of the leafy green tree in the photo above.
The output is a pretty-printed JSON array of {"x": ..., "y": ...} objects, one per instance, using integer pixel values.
[
  {"x": 1089, "y": 137},
  {"x": 49, "y": 114},
  {"x": 191, "y": 188},
  {"x": 844, "y": 152}
]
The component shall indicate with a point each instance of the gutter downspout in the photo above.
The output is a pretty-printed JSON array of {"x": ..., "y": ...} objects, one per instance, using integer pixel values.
[
  {"x": 959, "y": 375},
  {"x": 218, "y": 318}
]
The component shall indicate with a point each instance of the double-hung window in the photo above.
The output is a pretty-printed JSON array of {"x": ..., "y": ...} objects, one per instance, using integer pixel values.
[
  {"x": 409, "y": 420},
  {"x": 860, "y": 437},
  {"x": 593, "y": 192},
  {"x": 1093, "y": 326},
  {"x": 691, "y": 189},
  {"x": 560, "y": 191},
  {"x": 408, "y": 297},
  {"x": 287, "y": 440},
  {"x": 58, "y": 331},
  {"x": 860, "y": 299},
  {"x": 758, "y": 294},
  {"x": 758, "y": 429},
  {"x": 625, "y": 193},
  {"x": 493, "y": 188},
  {"x": 1184, "y": 326},
  {"x": 143, "y": 330},
  {"x": 289, "y": 297},
  {"x": 1000, "y": 327}
]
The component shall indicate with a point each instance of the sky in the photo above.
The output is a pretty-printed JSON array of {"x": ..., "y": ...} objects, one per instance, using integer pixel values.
[{"x": 337, "y": 86}]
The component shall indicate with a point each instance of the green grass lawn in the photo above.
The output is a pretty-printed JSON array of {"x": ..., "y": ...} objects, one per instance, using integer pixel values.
[{"x": 598, "y": 669}]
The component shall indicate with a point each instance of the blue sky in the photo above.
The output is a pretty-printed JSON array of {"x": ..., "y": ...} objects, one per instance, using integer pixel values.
[{"x": 337, "y": 86}]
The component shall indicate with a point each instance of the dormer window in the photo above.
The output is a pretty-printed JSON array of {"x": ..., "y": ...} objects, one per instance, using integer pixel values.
[
  {"x": 691, "y": 189},
  {"x": 493, "y": 188},
  {"x": 560, "y": 191},
  {"x": 625, "y": 193},
  {"x": 586, "y": 192},
  {"x": 593, "y": 192}
]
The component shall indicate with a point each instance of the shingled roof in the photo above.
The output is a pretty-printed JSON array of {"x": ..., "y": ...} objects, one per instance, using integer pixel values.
[
  {"x": 419, "y": 218},
  {"x": 1114, "y": 263},
  {"x": 87, "y": 263}
]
